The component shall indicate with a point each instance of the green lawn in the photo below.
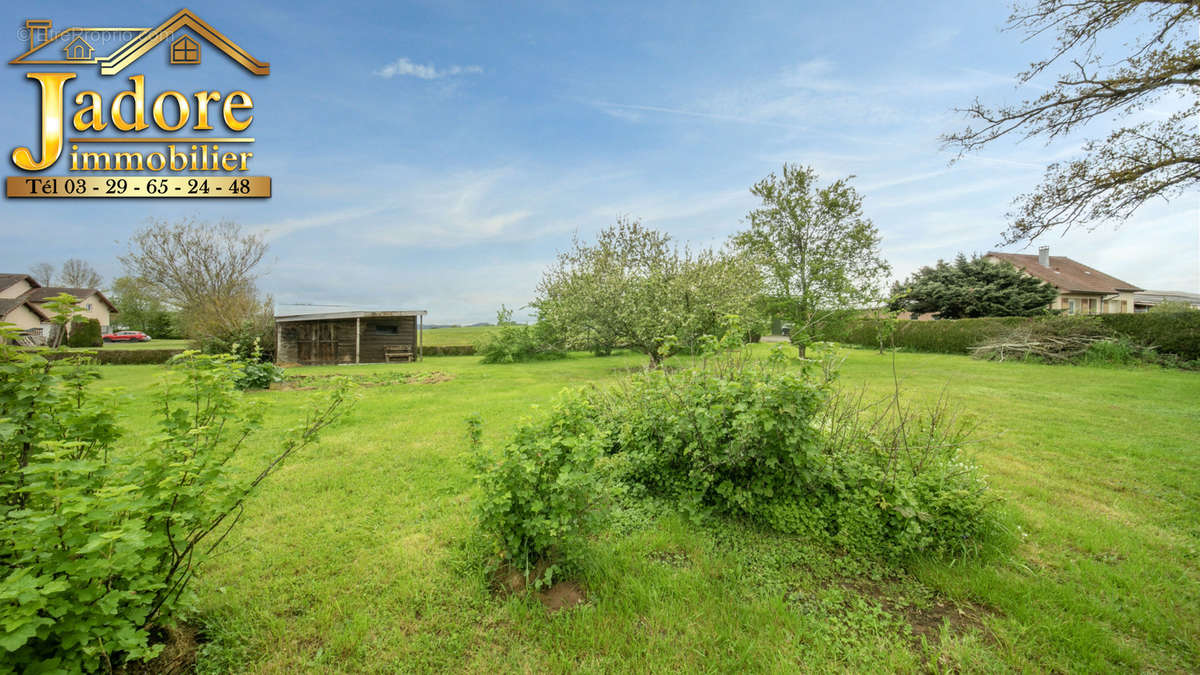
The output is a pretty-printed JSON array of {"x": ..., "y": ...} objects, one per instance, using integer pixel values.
[
  {"x": 354, "y": 558},
  {"x": 460, "y": 335}
]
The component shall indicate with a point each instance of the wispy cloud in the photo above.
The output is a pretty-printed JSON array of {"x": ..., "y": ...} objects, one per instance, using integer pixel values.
[{"x": 403, "y": 67}]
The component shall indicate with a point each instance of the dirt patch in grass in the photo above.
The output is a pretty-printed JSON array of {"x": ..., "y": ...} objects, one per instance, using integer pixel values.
[
  {"x": 180, "y": 646},
  {"x": 561, "y": 595},
  {"x": 927, "y": 618}
]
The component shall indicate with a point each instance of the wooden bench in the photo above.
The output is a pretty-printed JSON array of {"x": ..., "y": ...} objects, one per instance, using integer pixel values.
[{"x": 398, "y": 352}]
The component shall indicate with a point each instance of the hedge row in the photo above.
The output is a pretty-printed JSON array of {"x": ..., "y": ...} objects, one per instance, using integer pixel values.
[
  {"x": 1175, "y": 333},
  {"x": 955, "y": 336},
  {"x": 123, "y": 357},
  {"x": 448, "y": 350}
]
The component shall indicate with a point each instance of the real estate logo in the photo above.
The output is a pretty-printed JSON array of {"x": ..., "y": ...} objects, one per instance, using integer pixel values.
[{"x": 194, "y": 133}]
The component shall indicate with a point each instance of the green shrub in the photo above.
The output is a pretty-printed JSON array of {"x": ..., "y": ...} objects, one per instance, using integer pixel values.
[
  {"x": 1169, "y": 333},
  {"x": 784, "y": 449},
  {"x": 97, "y": 546},
  {"x": 944, "y": 336},
  {"x": 511, "y": 343},
  {"x": 255, "y": 373},
  {"x": 540, "y": 495},
  {"x": 1114, "y": 352},
  {"x": 1176, "y": 333},
  {"x": 240, "y": 340},
  {"x": 85, "y": 333}
]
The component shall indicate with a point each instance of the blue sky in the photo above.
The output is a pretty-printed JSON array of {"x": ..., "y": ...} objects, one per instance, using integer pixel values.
[{"x": 437, "y": 155}]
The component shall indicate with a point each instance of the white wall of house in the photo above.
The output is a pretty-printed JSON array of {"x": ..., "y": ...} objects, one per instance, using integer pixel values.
[
  {"x": 23, "y": 317},
  {"x": 93, "y": 308}
]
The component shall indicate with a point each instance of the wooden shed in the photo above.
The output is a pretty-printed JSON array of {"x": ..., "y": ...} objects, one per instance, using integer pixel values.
[{"x": 349, "y": 337}]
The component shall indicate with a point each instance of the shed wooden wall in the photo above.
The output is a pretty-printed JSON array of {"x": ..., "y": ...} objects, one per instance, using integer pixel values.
[{"x": 371, "y": 346}]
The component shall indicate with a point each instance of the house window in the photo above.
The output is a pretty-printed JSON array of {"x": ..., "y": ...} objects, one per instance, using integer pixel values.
[
  {"x": 89, "y": 307},
  {"x": 1072, "y": 306},
  {"x": 185, "y": 50},
  {"x": 387, "y": 329}
]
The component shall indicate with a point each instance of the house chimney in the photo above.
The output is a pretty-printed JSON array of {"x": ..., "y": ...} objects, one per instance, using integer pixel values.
[
  {"x": 1044, "y": 256},
  {"x": 38, "y": 30}
]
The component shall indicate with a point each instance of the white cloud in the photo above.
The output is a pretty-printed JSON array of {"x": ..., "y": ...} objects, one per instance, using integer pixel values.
[{"x": 402, "y": 66}]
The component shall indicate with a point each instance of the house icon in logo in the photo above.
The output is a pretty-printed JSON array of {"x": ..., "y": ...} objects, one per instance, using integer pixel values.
[
  {"x": 79, "y": 49},
  {"x": 185, "y": 30}
]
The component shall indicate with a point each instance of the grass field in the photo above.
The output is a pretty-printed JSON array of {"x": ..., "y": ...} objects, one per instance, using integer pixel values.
[
  {"x": 459, "y": 335},
  {"x": 355, "y": 557}
]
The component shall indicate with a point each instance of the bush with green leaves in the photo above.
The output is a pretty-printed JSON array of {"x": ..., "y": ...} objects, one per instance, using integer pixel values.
[
  {"x": 541, "y": 494},
  {"x": 782, "y": 447},
  {"x": 256, "y": 373},
  {"x": 84, "y": 333},
  {"x": 98, "y": 542},
  {"x": 513, "y": 343}
]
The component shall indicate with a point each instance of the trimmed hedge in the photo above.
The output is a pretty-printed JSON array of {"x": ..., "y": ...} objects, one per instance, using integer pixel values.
[
  {"x": 448, "y": 350},
  {"x": 85, "y": 333},
  {"x": 950, "y": 336},
  {"x": 1175, "y": 333},
  {"x": 122, "y": 357}
]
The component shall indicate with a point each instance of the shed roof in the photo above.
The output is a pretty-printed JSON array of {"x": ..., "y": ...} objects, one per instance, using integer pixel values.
[{"x": 326, "y": 316}]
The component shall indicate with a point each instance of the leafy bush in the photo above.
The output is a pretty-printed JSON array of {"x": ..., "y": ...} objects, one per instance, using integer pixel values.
[
  {"x": 241, "y": 340},
  {"x": 84, "y": 333},
  {"x": 540, "y": 495},
  {"x": 1115, "y": 352},
  {"x": 784, "y": 449},
  {"x": 512, "y": 343},
  {"x": 97, "y": 547},
  {"x": 256, "y": 373}
]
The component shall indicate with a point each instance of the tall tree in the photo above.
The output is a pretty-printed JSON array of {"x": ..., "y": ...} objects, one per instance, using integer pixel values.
[
  {"x": 76, "y": 273},
  {"x": 1156, "y": 157},
  {"x": 43, "y": 272},
  {"x": 633, "y": 287},
  {"x": 819, "y": 256},
  {"x": 140, "y": 310},
  {"x": 208, "y": 272},
  {"x": 971, "y": 288}
]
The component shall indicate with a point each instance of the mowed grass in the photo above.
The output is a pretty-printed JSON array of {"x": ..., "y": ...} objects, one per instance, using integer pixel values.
[
  {"x": 458, "y": 335},
  {"x": 358, "y": 557}
]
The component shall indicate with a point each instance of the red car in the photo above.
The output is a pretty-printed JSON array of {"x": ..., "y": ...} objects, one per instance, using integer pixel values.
[{"x": 127, "y": 336}]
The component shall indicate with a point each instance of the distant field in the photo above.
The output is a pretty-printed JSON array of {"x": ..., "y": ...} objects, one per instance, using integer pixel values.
[{"x": 464, "y": 335}]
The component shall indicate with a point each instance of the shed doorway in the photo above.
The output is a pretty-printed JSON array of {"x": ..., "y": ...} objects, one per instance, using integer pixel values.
[{"x": 317, "y": 342}]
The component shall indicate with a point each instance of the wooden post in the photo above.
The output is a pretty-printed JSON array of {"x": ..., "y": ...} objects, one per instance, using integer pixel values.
[
  {"x": 420, "y": 337},
  {"x": 278, "y": 341},
  {"x": 357, "y": 337}
]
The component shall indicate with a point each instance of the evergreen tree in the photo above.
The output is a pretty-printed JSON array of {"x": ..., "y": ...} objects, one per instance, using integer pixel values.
[{"x": 971, "y": 288}]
